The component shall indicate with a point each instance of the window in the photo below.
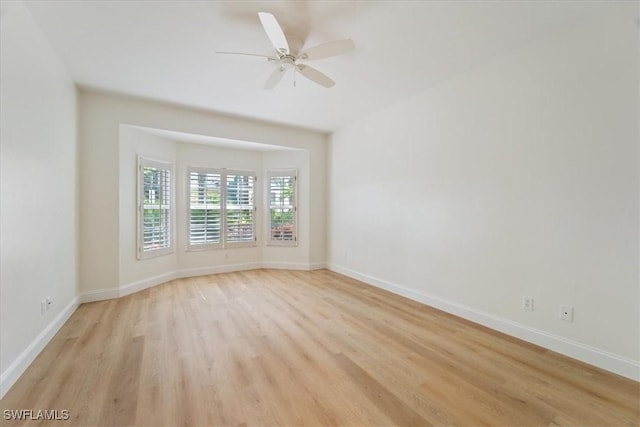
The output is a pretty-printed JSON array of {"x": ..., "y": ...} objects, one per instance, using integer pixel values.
[
  {"x": 239, "y": 208},
  {"x": 282, "y": 208},
  {"x": 221, "y": 208},
  {"x": 154, "y": 208},
  {"x": 205, "y": 208}
]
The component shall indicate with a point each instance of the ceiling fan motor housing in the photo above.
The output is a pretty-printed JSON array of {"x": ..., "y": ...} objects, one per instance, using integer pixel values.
[{"x": 287, "y": 62}]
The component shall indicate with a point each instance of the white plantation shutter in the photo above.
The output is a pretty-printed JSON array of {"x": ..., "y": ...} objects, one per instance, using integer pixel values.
[
  {"x": 221, "y": 208},
  {"x": 205, "y": 208},
  {"x": 239, "y": 207},
  {"x": 282, "y": 208},
  {"x": 155, "y": 213}
]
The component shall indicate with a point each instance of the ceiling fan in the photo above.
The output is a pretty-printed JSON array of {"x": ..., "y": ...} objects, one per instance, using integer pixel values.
[{"x": 290, "y": 59}]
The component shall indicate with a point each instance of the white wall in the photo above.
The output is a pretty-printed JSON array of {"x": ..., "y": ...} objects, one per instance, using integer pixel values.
[
  {"x": 38, "y": 205},
  {"x": 519, "y": 177},
  {"x": 105, "y": 197}
]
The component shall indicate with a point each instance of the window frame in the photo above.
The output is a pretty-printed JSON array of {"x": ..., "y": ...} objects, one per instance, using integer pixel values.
[
  {"x": 224, "y": 243},
  {"x": 204, "y": 246},
  {"x": 146, "y": 162},
  {"x": 254, "y": 209},
  {"x": 274, "y": 173}
]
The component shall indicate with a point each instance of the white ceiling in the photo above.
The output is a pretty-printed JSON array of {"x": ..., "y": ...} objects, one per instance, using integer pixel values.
[
  {"x": 165, "y": 50},
  {"x": 191, "y": 138}
]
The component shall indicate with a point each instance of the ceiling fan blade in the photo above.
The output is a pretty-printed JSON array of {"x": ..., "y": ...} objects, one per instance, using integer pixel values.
[
  {"x": 315, "y": 75},
  {"x": 274, "y": 78},
  {"x": 270, "y": 58},
  {"x": 326, "y": 50},
  {"x": 274, "y": 32}
]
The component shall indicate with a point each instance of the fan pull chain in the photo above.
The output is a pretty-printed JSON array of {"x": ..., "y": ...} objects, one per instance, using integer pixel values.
[{"x": 294, "y": 76}]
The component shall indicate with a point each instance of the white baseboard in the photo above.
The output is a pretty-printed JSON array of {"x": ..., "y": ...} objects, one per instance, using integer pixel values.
[
  {"x": 227, "y": 268},
  {"x": 611, "y": 362},
  {"x": 317, "y": 265},
  {"x": 131, "y": 288},
  {"x": 287, "y": 265},
  {"x": 139, "y": 285},
  {"x": 22, "y": 362},
  {"x": 100, "y": 295}
]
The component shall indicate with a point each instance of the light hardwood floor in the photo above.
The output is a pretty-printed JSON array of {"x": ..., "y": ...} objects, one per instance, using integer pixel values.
[{"x": 290, "y": 348}]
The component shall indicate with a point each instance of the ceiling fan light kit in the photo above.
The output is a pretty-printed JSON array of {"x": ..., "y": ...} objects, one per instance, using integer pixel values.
[{"x": 288, "y": 59}]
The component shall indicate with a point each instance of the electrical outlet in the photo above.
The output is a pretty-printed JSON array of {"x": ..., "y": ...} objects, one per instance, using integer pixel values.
[
  {"x": 566, "y": 313},
  {"x": 49, "y": 302},
  {"x": 43, "y": 307},
  {"x": 527, "y": 303}
]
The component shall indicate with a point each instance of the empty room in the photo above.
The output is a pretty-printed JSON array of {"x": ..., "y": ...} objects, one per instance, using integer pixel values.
[{"x": 354, "y": 213}]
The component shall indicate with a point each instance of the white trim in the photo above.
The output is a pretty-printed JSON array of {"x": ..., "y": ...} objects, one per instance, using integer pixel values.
[
  {"x": 225, "y": 268},
  {"x": 145, "y": 283},
  {"x": 99, "y": 295},
  {"x": 287, "y": 265},
  {"x": 127, "y": 289},
  {"x": 317, "y": 265},
  {"x": 22, "y": 362},
  {"x": 594, "y": 356},
  {"x": 130, "y": 288}
]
